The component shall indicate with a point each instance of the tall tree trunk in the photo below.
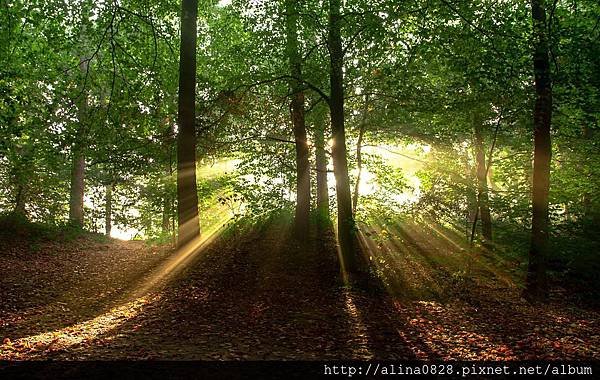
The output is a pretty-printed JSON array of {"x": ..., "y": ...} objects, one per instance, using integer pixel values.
[
  {"x": 471, "y": 195},
  {"x": 108, "y": 198},
  {"x": 77, "y": 189},
  {"x": 591, "y": 216},
  {"x": 301, "y": 220},
  {"x": 77, "y": 180},
  {"x": 187, "y": 196},
  {"x": 321, "y": 165},
  {"x": 20, "y": 200},
  {"x": 166, "y": 214},
  {"x": 536, "y": 288},
  {"x": 346, "y": 234},
  {"x": 482, "y": 187},
  {"x": 167, "y": 202},
  {"x": 21, "y": 174},
  {"x": 361, "y": 133}
]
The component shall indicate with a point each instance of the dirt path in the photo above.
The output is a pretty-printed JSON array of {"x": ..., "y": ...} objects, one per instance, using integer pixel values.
[{"x": 255, "y": 296}]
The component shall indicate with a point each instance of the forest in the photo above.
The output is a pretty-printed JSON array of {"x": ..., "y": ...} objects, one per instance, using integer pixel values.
[{"x": 299, "y": 180}]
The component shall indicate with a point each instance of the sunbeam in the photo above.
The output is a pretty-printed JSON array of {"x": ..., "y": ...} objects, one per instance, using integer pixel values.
[
  {"x": 134, "y": 301},
  {"x": 38, "y": 345}
]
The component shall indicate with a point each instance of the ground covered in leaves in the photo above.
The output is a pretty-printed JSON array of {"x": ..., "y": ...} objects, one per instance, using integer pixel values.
[{"x": 259, "y": 295}]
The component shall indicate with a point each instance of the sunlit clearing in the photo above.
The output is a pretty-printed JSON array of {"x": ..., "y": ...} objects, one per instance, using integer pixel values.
[
  {"x": 75, "y": 335},
  {"x": 367, "y": 184},
  {"x": 409, "y": 159},
  {"x": 214, "y": 169},
  {"x": 224, "y": 3},
  {"x": 123, "y": 234}
]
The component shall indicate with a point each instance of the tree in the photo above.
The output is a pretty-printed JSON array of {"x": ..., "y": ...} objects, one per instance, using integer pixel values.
[
  {"x": 321, "y": 169},
  {"x": 301, "y": 220},
  {"x": 187, "y": 196},
  {"x": 108, "y": 200},
  {"x": 361, "y": 133},
  {"x": 483, "y": 199},
  {"x": 78, "y": 149},
  {"x": 542, "y": 120},
  {"x": 345, "y": 227}
]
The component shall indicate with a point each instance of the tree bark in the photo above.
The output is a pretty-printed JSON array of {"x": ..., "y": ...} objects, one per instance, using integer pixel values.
[
  {"x": 471, "y": 195},
  {"x": 187, "y": 196},
  {"x": 20, "y": 201},
  {"x": 361, "y": 132},
  {"x": 77, "y": 189},
  {"x": 302, "y": 214},
  {"x": 166, "y": 214},
  {"x": 345, "y": 227},
  {"x": 77, "y": 182},
  {"x": 321, "y": 165},
  {"x": 108, "y": 198},
  {"x": 536, "y": 283},
  {"x": 167, "y": 201},
  {"x": 482, "y": 187}
]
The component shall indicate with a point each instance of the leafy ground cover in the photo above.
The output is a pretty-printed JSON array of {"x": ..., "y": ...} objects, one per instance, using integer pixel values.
[{"x": 261, "y": 296}]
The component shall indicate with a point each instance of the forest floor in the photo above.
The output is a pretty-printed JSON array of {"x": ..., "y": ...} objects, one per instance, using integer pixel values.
[{"x": 258, "y": 295}]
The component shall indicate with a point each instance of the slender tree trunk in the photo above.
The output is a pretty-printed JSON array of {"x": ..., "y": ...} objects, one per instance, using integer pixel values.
[
  {"x": 21, "y": 174},
  {"x": 482, "y": 187},
  {"x": 166, "y": 214},
  {"x": 20, "y": 200},
  {"x": 187, "y": 196},
  {"x": 77, "y": 189},
  {"x": 591, "y": 215},
  {"x": 536, "y": 283},
  {"x": 166, "y": 209},
  {"x": 302, "y": 215},
  {"x": 108, "y": 199},
  {"x": 361, "y": 133},
  {"x": 322, "y": 188},
  {"x": 77, "y": 186},
  {"x": 346, "y": 233},
  {"x": 471, "y": 195}
]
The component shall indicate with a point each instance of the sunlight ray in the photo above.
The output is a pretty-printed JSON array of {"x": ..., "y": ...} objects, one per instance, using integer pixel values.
[
  {"x": 182, "y": 257},
  {"x": 143, "y": 294},
  {"x": 361, "y": 346},
  {"x": 73, "y": 336}
]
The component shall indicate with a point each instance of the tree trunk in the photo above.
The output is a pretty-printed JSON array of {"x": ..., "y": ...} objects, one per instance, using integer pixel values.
[
  {"x": 77, "y": 186},
  {"x": 20, "y": 201},
  {"x": 166, "y": 209},
  {"x": 471, "y": 196},
  {"x": 361, "y": 132},
  {"x": 77, "y": 189},
  {"x": 536, "y": 288},
  {"x": 591, "y": 216},
  {"x": 21, "y": 174},
  {"x": 166, "y": 214},
  {"x": 108, "y": 198},
  {"x": 321, "y": 164},
  {"x": 346, "y": 233},
  {"x": 302, "y": 215},
  {"x": 482, "y": 187},
  {"x": 187, "y": 196}
]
